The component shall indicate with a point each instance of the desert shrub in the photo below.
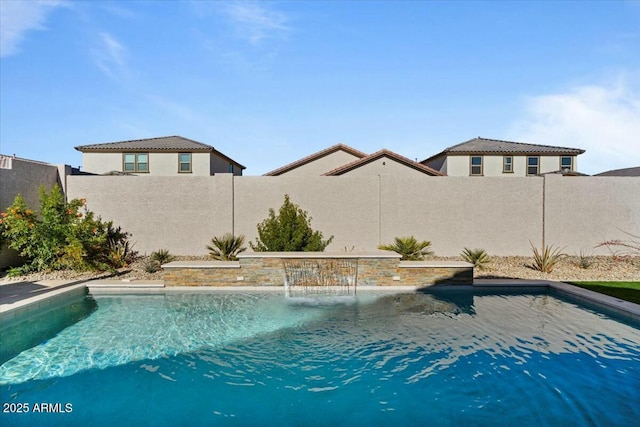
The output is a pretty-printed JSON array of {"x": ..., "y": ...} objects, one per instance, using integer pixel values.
[
  {"x": 478, "y": 257},
  {"x": 409, "y": 248},
  {"x": 584, "y": 260},
  {"x": 64, "y": 235},
  {"x": 289, "y": 231},
  {"x": 150, "y": 265},
  {"x": 546, "y": 258},
  {"x": 619, "y": 247},
  {"x": 227, "y": 247},
  {"x": 162, "y": 256}
]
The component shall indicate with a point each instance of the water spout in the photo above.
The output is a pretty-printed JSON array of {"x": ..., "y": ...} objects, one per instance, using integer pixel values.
[{"x": 320, "y": 277}]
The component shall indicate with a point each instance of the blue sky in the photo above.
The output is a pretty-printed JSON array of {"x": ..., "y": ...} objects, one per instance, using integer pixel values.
[{"x": 267, "y": 83}]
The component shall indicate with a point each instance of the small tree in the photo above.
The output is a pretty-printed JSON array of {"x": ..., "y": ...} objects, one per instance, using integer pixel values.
[{"x": 289, "y": 231}]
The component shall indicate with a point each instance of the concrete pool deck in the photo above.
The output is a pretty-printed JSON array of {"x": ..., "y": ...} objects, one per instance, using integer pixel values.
[{"x": 20, "y": 297}]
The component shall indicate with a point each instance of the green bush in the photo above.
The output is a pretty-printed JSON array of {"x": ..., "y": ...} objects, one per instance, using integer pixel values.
[
  {"x": 150, "y": 265},
  {"x": 289, "y": 231},
  {"x": 162, "y": 256},
  {"x": 478, "y": 257},
  {"x": 546, "y": 258},
  {"x": 409, "y": 248},
  {"x": 227, "y": 247},
  {"x": 61, "y": 236}
]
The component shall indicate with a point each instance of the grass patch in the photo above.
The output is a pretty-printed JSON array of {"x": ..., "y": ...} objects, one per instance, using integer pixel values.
[{"x": 628, "y": 291}]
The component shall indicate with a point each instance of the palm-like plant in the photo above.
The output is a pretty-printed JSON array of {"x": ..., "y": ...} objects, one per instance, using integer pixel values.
[
  {"x": 409, "y": 248},
  {"x": 546, "y": 259},
  {"x": 478, "y": 257},
  {"x": 162, "y": 256},
  {"x": 227, "y": 247}
]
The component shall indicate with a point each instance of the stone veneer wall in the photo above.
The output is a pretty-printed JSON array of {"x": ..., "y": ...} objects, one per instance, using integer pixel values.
[
  {"x": 267, "y": 270},
  {"x": 426, "y": 273},
  {"x": 201, "y": 273}
]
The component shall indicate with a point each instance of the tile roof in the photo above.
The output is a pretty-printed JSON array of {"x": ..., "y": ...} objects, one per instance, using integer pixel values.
[
  {"x": 621, "y": 172},
  {"x": 384, "y": 153},
  {"x": 316, "y": 156},
  {"x": 481, "y": 145},
  {"x": 163, "y": 143}
]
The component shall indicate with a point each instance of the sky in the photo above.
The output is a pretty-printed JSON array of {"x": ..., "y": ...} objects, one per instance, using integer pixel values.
[{"x": 269, "y": 82}]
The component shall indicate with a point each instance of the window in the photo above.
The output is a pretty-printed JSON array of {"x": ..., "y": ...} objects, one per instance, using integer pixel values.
[
  {"x": 566, "y": 162},
  {"x": 184, "y": 163},
  {"x": 475, "y": 165},
  {"x": 533, "y": 165},
  {"x": 507, "y": 164},
  {"x": 135, "y": 162},
  {"x": 230, "y": 167}
]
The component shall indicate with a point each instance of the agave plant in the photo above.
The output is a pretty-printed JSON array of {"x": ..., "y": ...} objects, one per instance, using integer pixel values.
[
  {"x": 546, "y": 258},
  {"x": 409, "y": 248},
  {"x": 585, "y": 260},
  {"x": 478, "y": 257},
  {"x": 162, "y": 256},
  {"x": 227, "y": 247}
]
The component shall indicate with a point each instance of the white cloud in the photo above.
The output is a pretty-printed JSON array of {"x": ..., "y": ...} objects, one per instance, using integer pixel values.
[
  {"x": 110, "y": 56},
  {"x": 604, "y": 120},
  {"x": 19, "y": 17},
  {"x": 254, "y": 22}
]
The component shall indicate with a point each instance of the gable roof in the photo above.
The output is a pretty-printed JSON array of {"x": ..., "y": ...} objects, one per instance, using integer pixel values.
[
  {"x": 481, "y": 145},
  {"x": 316, "y": 156},
  {"x": 158, "y": 144},
  {"x": 621, "y": 172},
  {"x": 384, "y": 153}
]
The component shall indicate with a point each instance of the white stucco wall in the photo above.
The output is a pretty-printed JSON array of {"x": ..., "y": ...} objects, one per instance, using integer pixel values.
[
  {"x": 384, "y": 166},
  {"x": 160, "y": 164},
  {"x": 492, "y": 165}
]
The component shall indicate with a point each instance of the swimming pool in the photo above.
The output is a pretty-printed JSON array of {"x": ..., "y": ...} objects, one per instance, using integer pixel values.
[{"x": 383, "y": 358}]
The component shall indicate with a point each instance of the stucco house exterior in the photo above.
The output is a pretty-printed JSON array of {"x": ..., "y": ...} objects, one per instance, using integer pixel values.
[
  {"x": 493, "y": 157},
  {"x": 384, "y": 162},
  {"x": 341, "y": 159},
  {"x": 162, "y": 156}
]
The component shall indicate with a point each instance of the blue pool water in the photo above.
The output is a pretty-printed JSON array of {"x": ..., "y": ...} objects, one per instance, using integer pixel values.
[{"x": 213, "y": 358}]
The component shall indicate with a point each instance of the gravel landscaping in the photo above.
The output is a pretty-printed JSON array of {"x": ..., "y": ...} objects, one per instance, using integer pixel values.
[{"x": 602, "y": 268}]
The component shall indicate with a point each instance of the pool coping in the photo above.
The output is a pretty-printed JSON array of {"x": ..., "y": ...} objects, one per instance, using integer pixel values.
[{"x": 61, "y": 290}]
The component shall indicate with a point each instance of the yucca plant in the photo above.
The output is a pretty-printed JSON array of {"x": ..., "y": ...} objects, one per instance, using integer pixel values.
[
  {"x": 546, "y": 258},
  {"x": 409, "y": 248},
  {"x": 162, "y": 256},
  {"x": 227, "y": 247},
  {"x": 478, "y": 257}
]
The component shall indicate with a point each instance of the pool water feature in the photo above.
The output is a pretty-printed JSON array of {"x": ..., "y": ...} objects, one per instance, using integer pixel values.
[{"x": 233, "y": 358}]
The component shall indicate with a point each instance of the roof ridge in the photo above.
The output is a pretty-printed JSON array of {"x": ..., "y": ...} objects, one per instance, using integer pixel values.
[
  {"x": 315, "y": 156},
  {"x": 373, "y": 156},
  {"x": 519, "y": 143}
]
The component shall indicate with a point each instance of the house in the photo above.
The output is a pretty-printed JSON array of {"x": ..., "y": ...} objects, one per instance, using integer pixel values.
[
  {"x": 163, "y": 156},
  {"x": 384, "y": 162},
  {"x": 321, "y": 162},
  {"x": 341, "y": 159},
  {"x": 493, "y": 157}
]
